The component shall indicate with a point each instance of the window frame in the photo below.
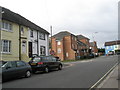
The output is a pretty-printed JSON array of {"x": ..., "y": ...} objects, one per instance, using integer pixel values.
[
  {"x": 42, "y": 54},
  {"x": 31, "y": 33},
  {"x": 8, "y": 48},
  {"x": 42, "y": 38},
  {"x": 7, "y": 26}
]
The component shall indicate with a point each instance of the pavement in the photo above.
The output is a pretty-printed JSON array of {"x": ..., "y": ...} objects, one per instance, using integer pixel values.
[{"x": 112, "y": 80}]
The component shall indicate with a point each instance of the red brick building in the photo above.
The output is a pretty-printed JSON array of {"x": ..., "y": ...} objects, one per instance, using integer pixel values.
[
  {"x": 68, "y": 46},
  {"x": 93, "y": 47},
  {"x": 86, "y": 47},
  {"x": 64, "y": 45}
]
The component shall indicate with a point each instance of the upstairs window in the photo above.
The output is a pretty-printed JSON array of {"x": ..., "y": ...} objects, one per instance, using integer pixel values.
[
  {"x": 42, "y": 36},
  {"x": 31, "y": 33},
  {"x": 6, "y": 26},
  {"x": 22, "y": 30},
  {"x": 58, "y": 43}
]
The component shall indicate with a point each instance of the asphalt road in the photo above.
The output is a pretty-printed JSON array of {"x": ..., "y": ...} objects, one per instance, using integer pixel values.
[{"x": 80, "y": 74}]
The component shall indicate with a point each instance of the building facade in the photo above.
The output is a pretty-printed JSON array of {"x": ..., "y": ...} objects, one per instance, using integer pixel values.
[
  {"x": 93, "y": 47},
  {"x": 112, "y": 47},
  {"x": 68, "y": 46},
  {"x": 64, "y": 45},
  {"x": 16, "y": 40}
]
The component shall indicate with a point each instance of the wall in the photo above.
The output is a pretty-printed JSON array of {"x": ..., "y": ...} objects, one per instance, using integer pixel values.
[{"x": 14, "y": 38}]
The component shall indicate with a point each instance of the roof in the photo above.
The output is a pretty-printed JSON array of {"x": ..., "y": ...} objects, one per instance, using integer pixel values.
[
  {"x": 81, "y": 43},
  {"x": 82, "y": 37},
  {"x": 92, "y": 44},
  {"x": 16, "y": 18},
  {"x": 60, "y": 35},
  {"x": 112, "y": 43}
]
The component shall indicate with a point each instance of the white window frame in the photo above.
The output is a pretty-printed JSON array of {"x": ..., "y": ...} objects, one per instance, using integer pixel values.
[
  {"x": 8, "y": 46},
  {"x": 42, "y": 36},
  {"x": 31, "y": 33},
  {"x": 22, "y": 30},
  {"x": 58, "y": 43},
  {"x": 59, "y": 50},
  {"x": 7, "y": 26},
  {"x": 44, "y": 50}
]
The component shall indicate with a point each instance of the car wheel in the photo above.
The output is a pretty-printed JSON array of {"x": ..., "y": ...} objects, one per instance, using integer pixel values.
[
  {"x": 46, "y": 69},
  {"x": 28, "y": 74},
  {"x": 60, "y": 67}
]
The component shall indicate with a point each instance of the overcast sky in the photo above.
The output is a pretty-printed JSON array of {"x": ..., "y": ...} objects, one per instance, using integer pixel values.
[{"x": 76, "y": 16}]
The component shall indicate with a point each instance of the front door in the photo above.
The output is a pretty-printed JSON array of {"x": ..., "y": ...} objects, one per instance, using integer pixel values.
[{"x": 30, "y": 49}]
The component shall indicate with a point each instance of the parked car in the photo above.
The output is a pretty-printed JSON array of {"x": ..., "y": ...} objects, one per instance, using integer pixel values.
[
  {"x": 45, "y": 63},
  {"x": 12, "y": 69}
]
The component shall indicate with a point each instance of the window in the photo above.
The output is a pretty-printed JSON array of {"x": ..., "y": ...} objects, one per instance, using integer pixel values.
[
  {"x": 58, "y": 42},
  {"x": 11, "y": 64},
  {"x": 42, "y": 36},
  {"x": 7, "y": 26},
  {"x": 115, "y": 46},
  {"x": 6, "y": 46},
  {"x": 67, "y": 54},
  {"x": 59, "y": 50},
  {"x": 22, "y": 30},
  {"x": 31, "y": 33},
  {"x": 54, "y": 59},
  {"x": 20, "y": 64},
  {"x": 42, "y": 50}
]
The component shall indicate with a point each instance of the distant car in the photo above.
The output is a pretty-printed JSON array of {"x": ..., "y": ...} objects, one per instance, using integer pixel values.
[
  {"x": 111, "y": 53},
  {"x": 91, "y": 55},
  {"x": 12, "y": 69},
  {"x": 45, "y": 63}
]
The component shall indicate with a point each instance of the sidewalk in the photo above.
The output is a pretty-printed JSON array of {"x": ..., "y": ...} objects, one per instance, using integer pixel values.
[{"x": 111, "y": 80}]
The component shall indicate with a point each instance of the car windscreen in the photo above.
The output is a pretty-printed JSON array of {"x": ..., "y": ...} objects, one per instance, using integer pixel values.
[
  {"x": 36, "y": 59},
  {"x": 2, "y": 63}
]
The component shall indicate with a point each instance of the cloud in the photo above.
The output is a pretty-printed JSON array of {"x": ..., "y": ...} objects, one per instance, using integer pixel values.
[{"x": 77, "y": 16}]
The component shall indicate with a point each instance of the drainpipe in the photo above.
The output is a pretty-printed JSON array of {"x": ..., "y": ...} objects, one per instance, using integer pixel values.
[
  {"x": 37, "y": 43},
  {"x": 19, "y": 43}
]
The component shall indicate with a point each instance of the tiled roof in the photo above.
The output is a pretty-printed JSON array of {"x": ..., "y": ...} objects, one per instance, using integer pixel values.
[
  {"x": 82, "y": 37},
  {"x": 60, "y": 35},
  {"x": 112, "y": 43},
  {"x": 16, "y": 18}
]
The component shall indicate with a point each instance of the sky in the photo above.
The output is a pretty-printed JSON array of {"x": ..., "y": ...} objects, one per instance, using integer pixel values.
[{"x": 84, "y": 17}]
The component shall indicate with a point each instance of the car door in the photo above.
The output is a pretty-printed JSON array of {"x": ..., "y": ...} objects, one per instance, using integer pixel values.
[
  {"x": 55, "y": 63},
  {"x": 9, "y": 70},
  {"x": 50, "y": 62},
  {"x": 21, "y": 68}
]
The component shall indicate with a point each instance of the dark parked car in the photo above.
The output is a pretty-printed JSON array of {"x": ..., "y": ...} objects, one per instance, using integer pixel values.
[
  {"x": 12, "y": 69},
  {"x": 45, "y": 63}
]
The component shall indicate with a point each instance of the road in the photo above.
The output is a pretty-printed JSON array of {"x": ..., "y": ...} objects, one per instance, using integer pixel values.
[{"x": 80, "y": 74}]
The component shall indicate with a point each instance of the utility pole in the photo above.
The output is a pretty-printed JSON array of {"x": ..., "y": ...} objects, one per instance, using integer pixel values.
[{"x": 51, "y": 37}]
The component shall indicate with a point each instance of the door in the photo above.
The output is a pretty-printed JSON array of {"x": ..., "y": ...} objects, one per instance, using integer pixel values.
[
  {"x": 30, "y": 49},
  {"x": 21, "y": 68}
]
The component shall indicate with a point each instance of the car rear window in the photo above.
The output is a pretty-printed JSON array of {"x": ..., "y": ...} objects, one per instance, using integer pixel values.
[{"x": 36, "y": 59}]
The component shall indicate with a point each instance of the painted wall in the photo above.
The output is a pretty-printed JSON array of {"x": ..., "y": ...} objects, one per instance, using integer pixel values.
[
  {"x": 14, "y": 38},
  {"x": 108, "y": 49},
  {"x": 40, "y": 42}
]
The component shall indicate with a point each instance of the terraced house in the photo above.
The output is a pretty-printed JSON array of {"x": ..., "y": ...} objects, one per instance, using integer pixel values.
[{"x": 20, "y": 38}]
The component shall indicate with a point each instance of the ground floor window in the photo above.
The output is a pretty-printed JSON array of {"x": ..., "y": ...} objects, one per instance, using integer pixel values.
[
  {"x": 6, "y": 46},
  {"x": 42, "y": 50}
]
